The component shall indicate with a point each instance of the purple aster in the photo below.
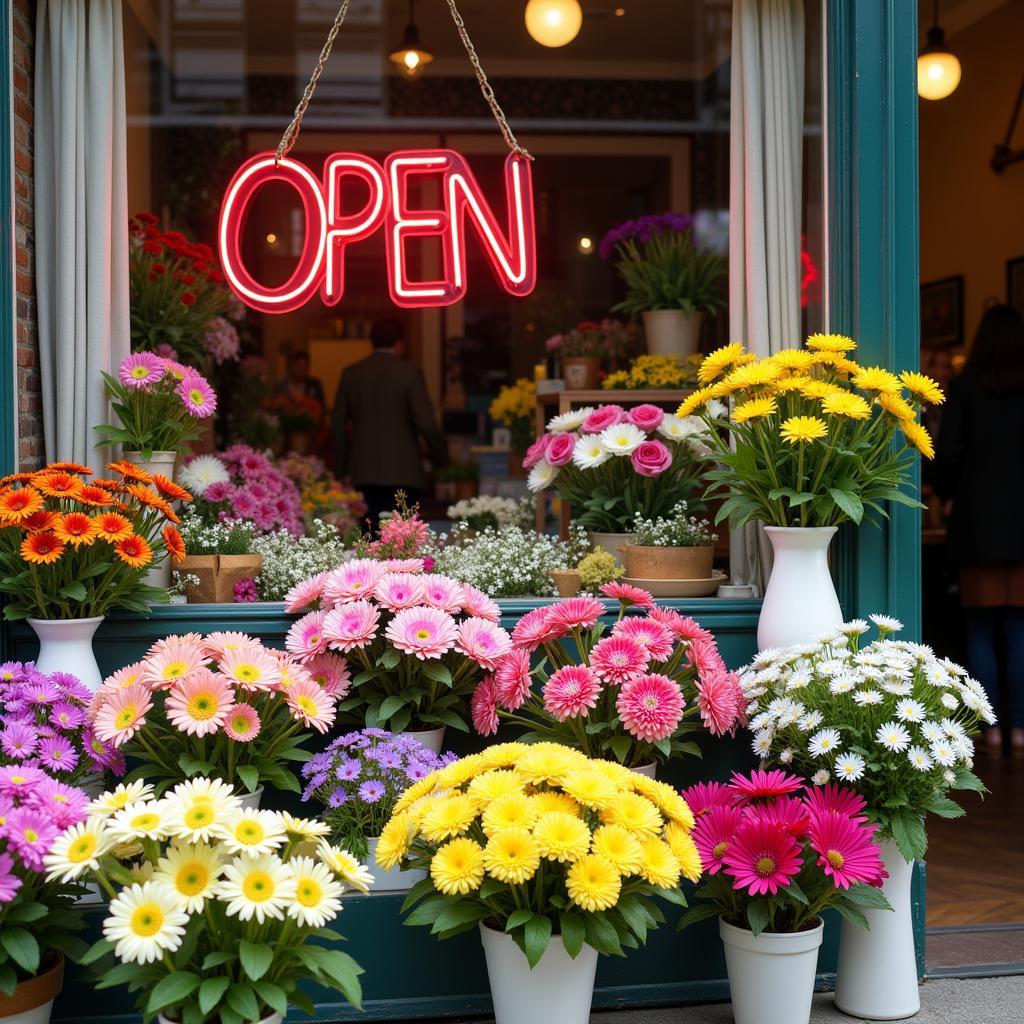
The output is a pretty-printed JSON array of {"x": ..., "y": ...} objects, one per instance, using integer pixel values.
[
  {"x": 57, "y": 754},
  {"x": 348, "y": 770},
  {"x": 65, "y": 804},
  {"x": 19, "y": 740},
  {"x": 377, "y": 753},
  {"x": 41, "y": 691},
  {"x": 31, "y": 833},
  {"x": 73, "y": 688},
  {"x": 416, "y": 771},
  {"x": 370, "y": 792},
  {"x": 67, "y": 716},
  {"x": 10, "y": 670},
  {"x": 317, "y": 763},
  {"x": 6, "y": 810},
  {"x": 377, "y": 734},
  {"x": 101, "y": 754},
  {"x": 337, "y": 797},
  {"x": 390, "y": 758},
  {"x": 19, "y": 779},
  {"x": 10, "y": 883},
  {"x": 360, "y": 743}
]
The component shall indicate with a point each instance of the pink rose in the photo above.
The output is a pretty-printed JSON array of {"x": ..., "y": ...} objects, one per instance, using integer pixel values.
[
  {"x": 646, "y": 417},
  {"x": 603, "y": 417},
  {"x": 536, "y": 451},
  {"x": 560, "y": 449},
  {"x": 651, "y": 458}
]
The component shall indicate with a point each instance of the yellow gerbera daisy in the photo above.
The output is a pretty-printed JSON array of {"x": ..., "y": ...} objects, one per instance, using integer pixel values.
[
  {"x": 590, "y": 788},
  {"x": 513, "y": 810},
  {"x": 614, "y": 772},
  {"x": 394, "y": 842},
  {"x": 658, "y": 864},
  {"x": 562, "y": 837},
  {"x": 458, "y": 867},
  {"x": 898, "y": 407},
  {"x": 794, "y": 383},
  {"x": 512, "y": 856},
  {"x": 685, "y": 851},
  {"x": 793, "y": 359},
  {"x": 798, "y": 429},
  {"x": 448, "y": 816},
  {"x": 502, "y": 755},
  {"x": 461, "y": 771},
  {"x": 415, "y": 792},
  {"x": 926, "y": 389},
  {"x": 918, "y": 437},
  {"x": 875, "y": 378},
  {"x": 491, "y": 785},
  {"x": 717, "y": 362},
  {"x": 593, "y": 883},
  {"x": 694, "y": 401},
  {"x": 551, "y": 800},
  {"x": 753, "y": 375},
  {"x": 753, "y": 408},
  {"x": 820, "y": 389},
  {"x": 844, "y": 403},
  {"x": 831, "y": 343},
  {"x": 620, "y": 847},
  {"x": 635, "y": 812},
  {"x": 667, "y": 800}
]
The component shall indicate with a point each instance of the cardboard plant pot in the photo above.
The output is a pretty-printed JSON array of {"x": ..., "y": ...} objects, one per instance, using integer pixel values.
[
  {"x": 33, "y": 998},
  {"x": 567, "y": 581},
  {"x": 218, "y": 575},
  {"x": 661, "y": 563}
]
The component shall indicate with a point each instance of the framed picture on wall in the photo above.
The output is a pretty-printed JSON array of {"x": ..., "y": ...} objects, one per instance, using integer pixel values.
[
  {"x": 942, "y": 312},
  {"x": 1015, "y": 284}
]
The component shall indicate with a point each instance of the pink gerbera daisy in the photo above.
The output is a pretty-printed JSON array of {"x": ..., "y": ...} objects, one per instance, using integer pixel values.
[
  {"x": 571, "y": 692},
  {"x": 125, "y": 677},
  {"x": 484, "y": 642},
  {"x": 713, "y": 834},
  {"x": 534, "y": 629},
  {"x": 760, "y": 784},
  {"x": 650, "y": 707},
  {"x": 652, "y": 634},
  {"x": 174, "y": 662},
  {"x": 10, "y": 883},
  {"x": 443, "y": 592},
  {"x": 846, "y": 850},
  {"x": 331, "y": 672},
  {"x": 352, "y": 581},
  {"x": 311, "y": 704},
  {"x": 762, "y": 858},
  {"x": 200, "y": 704},
  {"x": 423, "y": 632},
  {"x": 31, "y": 833},
  {"x": 683, "y": 627},
  {"x": 784, "y": 810},
  {"x": 252, "y": 667},
  {"x": 628, "y": 595},
  {"x": 123, "y": 713},
  {"x": 351, "y": 626},
  {"x": 617, "y": 659},
  {"x": 512, "y": 679},
  {"x": 704, "y": 657},
  {"x": 174, "y": 643},
  {"x": 197, "y": 396},
  {"x": 719, "y": 700},
  {"x": 304, "y": 594},
  {"x": 704, "y": 796},
  {"x": 216, "y": 645},
  {"x": 306, "y": 637},
  {"x": 398, "y": 590},
  {"x": 484, "y": 708},
  {"x": 575, "y": 613},
  {"x": 140, "y": 370},
  {"x": 242, "y": 723},
  {"x": 477, "y": 603},
  {"x": 834, "y": 799}
]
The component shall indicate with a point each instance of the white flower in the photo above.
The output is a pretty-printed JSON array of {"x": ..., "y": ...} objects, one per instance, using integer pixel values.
[
  {"x": 260, "y": 887},
  {"x": 196, "y": 807},
  {"x": 251, "y": 831},
  {"x": 849, "y": 767},
  {"x": 952, "y": 729},
  {"x": 78, "y": 850},
  {"x": 622, "y": 438},
  {"x": 893, "y": 736},
  {"x": 899, "y": 687},
  {"x": 145, "y": 920},
  {"x": 542, "y": 475},
  {"x": 589, "y": 453},
  {"x": 761, "y": 721},
  {"x": 786, "y": 756},
  {"x": 811, "y": 721},
  {"x": 932, "y": 732},
  {"x": 762, "y": 742},
  {"x": 677, "y": 428},
  {"x": 192, "y": 871},
  {"x": 716, "y": 410},
  {"x": 980, "y": 706},
  {"x": 949, "y": 776},
  {"x": 344, "y": 865},
  {"x": 769, "y": 656},
  {"x": 798, "y": 679},
  {"x": 317, "y": 893},
  {"x": 949, "y": 701},
  {"x": 919, "y": 758},
  {"x": 866, "y": 698},
  {"x": 910, "y": 710},
  {"x": 202, "y": 471},
  {"x": 825, "y": 741},
  {"x": 954, "y": 668},
  {"x": 307, "y": 828},
  {"x": 820, "y": 777},
  {"x": 842, "y": 684},
  {"x": 112, "y": 801},
  {"x": 146, "y": 819},
  {"x": 566, "y": 422},
  {"x": 855, "y": 627},
  {"x": 944, "y": 754},
  {"x": 886, "y": 623}
]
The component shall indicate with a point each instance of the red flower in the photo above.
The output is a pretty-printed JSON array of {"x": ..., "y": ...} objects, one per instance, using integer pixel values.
[
  {"x": 216, "y": 276},
  {"x": 188, "y": 299},
  {"x": 152, "y": 247},
  {"x": 200, "y": 266},
  {"x": 147, "y": 218},
  {"x": 159, "y": 268},
  {"x": 187, "y": 279},
  {"x": 203, "y": 251}
]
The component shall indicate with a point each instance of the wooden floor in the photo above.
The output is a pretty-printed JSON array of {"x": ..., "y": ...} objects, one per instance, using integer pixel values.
[{"x": 976, "y": 863}]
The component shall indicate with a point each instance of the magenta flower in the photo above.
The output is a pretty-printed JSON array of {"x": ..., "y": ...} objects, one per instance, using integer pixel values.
[
  {"x": 833, "y": 799},
  {"x": 704, "y": 796},
  {"x": 617, "y": 659},
  {"x": 484, "y": 708},
  {"x": 646, "y": 416},
  {"x": 571, "y": 692},
  {"x": 19, "y": 780},
  {"x": 10, "y": 883},
  {"x": 477, "y": 603},
  {"x": 198, "y": 397},
  {"x": 484, "y": 642},
  {"x": 66, "y": 805},
  {"x": 603, "y": 417},
  {"x": 245, "y": 591},
  {"x": 398, "y": 590},
  {"x": 628, "y": 595},
  {"x": 512, "y": 680},
  {"x": 303, "y": 594},
  {"x": 575, "y": 613},
  {"x": 560, "y": 449},
  {"x": 762, "y": 857},
  {"x": 31, "y": 833},
  {"x": 652, "y": 634},
  {"x": 650, "y": 707},
  {"x": 761, "y": 784},
  {"x": 534, "y": 629},
  {"x": 846, "y": 850},
  {"x": 651, "y": 458},
  {"x": 443, "y": 592},
  {"x": 58, "y": 754},
  {"x": 140, "y": 370},
  {"x": 713, "y": 833},
  {"x": 353, "y": 580},
  {"x": 704, "y": 657},
  {"x": 352, "y": 625},
  {"x": 19, "y": 740},
  {"x": 426, "y": 633}
]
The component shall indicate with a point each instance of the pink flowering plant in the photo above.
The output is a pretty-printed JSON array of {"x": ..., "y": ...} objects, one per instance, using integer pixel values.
[
  {"x": 777, "y": 854},
  {"x": 417, "y": 644},
  {"x": 221, "y": 705},
  {"x": 630, "y": 694},
  {"x": 613, "y": 464},
  {"x": 159, "y": 404}
]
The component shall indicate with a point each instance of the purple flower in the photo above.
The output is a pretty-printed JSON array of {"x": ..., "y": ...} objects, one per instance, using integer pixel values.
[
  {"x": 337, "y": 797},
  {"x": 10, "y": 883},
  {"x": 65, "y": 715},
  {"x": 390, "y": 758},
  {"x": 348, "y": 770},
  {"x": 416, "y": 771},
  {"x": 58, "y": 754},
  {"x": 140, "y": 371},
  {"x": 377, "y": 753},
  {"x": 10, "y": 670},
  {"x": 18, "y": 780},
  {"x": 370, "y": 792},
  {"x": 31, "y": 833},
  {"x": 19, "y": 740},
  {"x": 643, "y": 229},
  {"x": 244, "y": 591},
  {"x": 41, "y": 691},
  {"x": 65, "y": 804}
]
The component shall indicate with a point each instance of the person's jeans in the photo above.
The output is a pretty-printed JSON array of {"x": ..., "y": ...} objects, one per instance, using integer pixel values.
[{"x": 983, "y": 659}]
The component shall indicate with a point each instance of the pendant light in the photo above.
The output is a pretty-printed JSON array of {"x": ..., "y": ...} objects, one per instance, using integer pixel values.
[
  {"x": 553, "y": 22},
  {"x": 938, "y": 70},
  {"x": 410, "y": 55}
]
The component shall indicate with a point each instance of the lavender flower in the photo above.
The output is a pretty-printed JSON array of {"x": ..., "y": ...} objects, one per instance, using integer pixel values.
[
  {"x": 370, "y": 792},
  {"x": 643, "y": 229}
]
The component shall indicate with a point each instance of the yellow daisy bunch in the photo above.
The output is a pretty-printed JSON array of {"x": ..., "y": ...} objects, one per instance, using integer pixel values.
[
  {"x": 655, "y": 372},
  {"x": 515, "y": 402}
]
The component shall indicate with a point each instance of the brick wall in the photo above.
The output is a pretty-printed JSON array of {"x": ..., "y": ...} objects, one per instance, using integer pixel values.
[{"x": 30, "y": 408}]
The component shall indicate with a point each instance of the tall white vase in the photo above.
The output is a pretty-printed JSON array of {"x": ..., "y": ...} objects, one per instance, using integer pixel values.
[
  {"x": 670, "y": 332},
  {"x": 800, "y": 601},
  {"x": 65, "y": 645},
  {"x": 429, "y": 739},
  {"x": 876, "y": 977},
  {"x": 162, "y": 463}
]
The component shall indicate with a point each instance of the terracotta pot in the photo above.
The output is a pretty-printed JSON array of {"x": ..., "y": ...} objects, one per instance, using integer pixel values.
[
  {"x": 659, "y": 563},
  {"x": 33, "y": 999},
  {"x": 581, "y": 372},
  {"x": 218, "y": 575},
  {"x": 567, "y": 581}
]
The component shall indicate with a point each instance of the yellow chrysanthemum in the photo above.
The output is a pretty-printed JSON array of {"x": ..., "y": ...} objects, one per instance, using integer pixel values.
[
  {"x": 513, "y": 810},
  {"x": 502, "y": 755},
  {"x": 875, "y": 378},
  {"x": 717, "y": 362},
  {"x": 831, "y": 343},
  {"x": 753, "y": 375},
  {"x": 753, "y": 408},
  {"x": 845, "y": 366},
  {"x": 493, "y": 784},
  {"x": 658, "y": 865},
  {"x": 926, "y": 389},
  {"x": 685, "y": 851},
  {"x": 695, "y": 401},
  {"x": 460, "y": 772},
  {"x": 635, "y": 812},
  {"x": 447, "y": 816},
  {"x": 512, "y": 856},
  {"x": 800, "y": 429},
  {"x": 667, "y": 800},
  {"x": 458, "y": 867},
  {"x": 590, "y": 788},
  {"x": 918, "y": 437},
  {"x": 844, "y": 403},
  {"x": 619, "y": 846},
  {"x": 593, "y": 883},
  {"x": 614, "y": 772},
  {"x": 898, "y": 407},
  {"x": 562, "y": 837},
  {"x": 820, "y": 389},
  {"x": 394, "y": 842},
  {"x": 551, "y": 800},
  {"x": 415, "y": 792},
  {"x": 792, "y": 359},
  {"x": 548, "y": 762}
]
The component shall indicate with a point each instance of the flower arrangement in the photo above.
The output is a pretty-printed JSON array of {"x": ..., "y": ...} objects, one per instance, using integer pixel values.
[
  {"x": 652, "y": 371},
  {"x": 663, "y": 267},
  {"x": 215, "y": 909},
  {"x": 613, "y": 464},
  {"x": 489, "y": 510},
  {"x": 230, "y": 537},
  {"x": 295, "y": 413},
  {"x": 538, "y": 840},
  {"x": 611, "y": 341},
  {"x": 221, "y": 341},
  {"x": 810, "y": 438},
  {"x": 220, "y": 705},
  {"x": 159, "y": 404},
  {"x": 515, "y": 408},
  {"x": 598, "y": 567},
  {"x": 630, "y": 694},
  {"x": 401, "y": 535},
  {"x": 418, "y": 643},
  {"x": 288, "y": 560},
  {"x": 676, "y": 530},
  {"x": 360, "y": 777},
  {"x": 324, "y": 497},
  {"x": 776, "y": 858},
  {"x": 890, "y": 722},
  {"x": 70, "y": 548}
]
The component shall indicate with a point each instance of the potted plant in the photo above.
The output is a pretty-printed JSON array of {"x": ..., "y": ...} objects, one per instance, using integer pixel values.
[
  {"x": 220, "y": 705},
  {"x": 809, "y": 445},
  {"x": 892, "y": 724},
  {"x": 588, "y": 348},
  {"x": 359, "y": 778},
  {"x": 217, "y": 912},
  {"x": 673, "y": 547},
  {"x": 670, "y": 279},
  {"x": 776, "y": 857},
  {"x": 535, "y": 846},
  {"x": 632, "y": 695},
  {"x": 489, "y": 510},
  {"x": 598, "y": 567},
  {"x": 219, "y": 555},
  {"x": 70, "y": 550},
  {"x": 289, "y": 560},
  {"x": 515, "y": 408},
  {"x": 655, "y": 372}
]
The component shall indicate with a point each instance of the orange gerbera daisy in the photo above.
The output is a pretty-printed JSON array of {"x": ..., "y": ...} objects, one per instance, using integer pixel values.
[
  {"x": 39, "y": 521},
  {"x": 42, "y": 548},
  {"x": 175, "y": 545},
  {"x": 15, "y": 478},
  {"x": 107, "y": 485},
  {"x": 17, "y": 506},
  {"x": 146, "y": 495},
  {"x": 69, "y": 467},
  {"x": 95, "y": 496},
  {"x": 58, "y": 485},
  {"x": 169, "y": 489},
  {"x": 130, "y": 471},
  {"x": 76, "y": 528},
  {"x": 134, "y": 551},
  {"x": 112, "y": 527}
]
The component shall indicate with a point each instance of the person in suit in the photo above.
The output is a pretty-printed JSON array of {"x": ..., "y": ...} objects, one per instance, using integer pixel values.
[
  {"x": 979, "y": 470},
  {"x": 381, "y": 413}
]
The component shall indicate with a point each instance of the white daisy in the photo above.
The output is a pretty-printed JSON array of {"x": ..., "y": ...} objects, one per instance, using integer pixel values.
[
  {"x": 786, "y": 756},
  {"x": 949, "y": 777},
  {"x": 866, "y": 698},
  {"x": 899, "y": 687},
  {"x": 251, "y": 831},
  {"x": 855, "y": 627},
  {"x": 820, "y": 777},
  {"x": 146, "y": 819},
  {"x": 192, "y": 870},
  {"x": 849, "y": 767},
  {"x": 77, "y": 850},
  {"x": 842, "y": 684},
  {"x": 811, "y": 721},
  {"x": 769, "y": 656},
  {"x": 202, "y": 471},
  {"x": 317, "y": 893},
  {"x": 980, "y": 706},
  {"x": 566, "y": 422},
  {"x": 798, "y": 679},
  {"x": 949, "y": 701},
  {"x": 932, "y": 731},
  {"x": 954, "y": 668},
  {"x": 944, "y": 754},
  {"x": 954, "y": 730},
  {"x": 144, "y": 921},
  {"x": 343, "y": 864},
  {"x": 196, "y": 807},
  {"x": 893, "y": 736},
  {"x": 792, "y": 715},
  {"x": 825, "y": 741},
  {"x": 886, "y": 623},
  {"x": 260, "y": 887},
  {"x": 919, "y": 758},
  {"x": 762, "y": 742},
  {"x": 126, "y": 793},
  {"x": 716, "y": 410},
  {"x": 677, "y": 428},
  {"x": 622, "y": 438},
  {"x": 589, "y": 453},
  {"x": 910, "y": 710},
  {"x": 542, "y": 475},
  {"x": 761, "y": 721},
  {"x": 307, "y": 828}
]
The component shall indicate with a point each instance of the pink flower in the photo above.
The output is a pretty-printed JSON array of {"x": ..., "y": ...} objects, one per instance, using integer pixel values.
[
  {"x": 628, "y": 595},
  {"x": 140, "y": 371},
  {"x": 647, "y": 417},
  {"x": 303, "y": 594},
  {"x": 512, "y": 680},
  {"x": 398, "y": 590},
  {"x": 197, "y": 396},
  {"x": 220, "y": 490},
  {"x": 31, "y": 833},
  {"x": 534, "y": 629},
  {"x": 477, "y": 603},
  {"x": 413, "y": 565},
  {"x": 311, "y": 704},
  {"x": 443, "y": 592},
  {"x": 603, "y": 417},
  {"x": 536, "y": 451},
  {"x": 352, "y": 581},
  {"x": 761, "y": 784},
  {"x": 245, "y": 591},
  {"x": 216, "y": 645},
  {"x": 331, "y": 671},
  {"x": 242, "y": 723},
  {"x": 833, "y": 799},
  {"x": 64, "y": 804},
  {"x": 703, "y": 796},
  {"x": 652, "y": 634},
  {"x": 424, "y": 632},
  {"x": 762, "y": 858},
  {"x": 571, "y": 692},
  {"x": 683, "y": 627},
  {"x": 846, "y": 850},
  {"x": 484, "y": 642},
  {"x": 10, "y": 883},
  {"x": 306, "y": 636},
  {"x": 352, "y": 625},
  {"x": 719, "y": 699},
  {"x": 704, "y": 657},
  {"x": 175, "y": 661},
  {"x": 651, "y": 458},
  {"x": 251, "y": 667},
  {"x": 650, "y": 707},
  {"x": 199, "y": 705},
  {"x": 483, "y": 707},
  {"x": 20, "y": 779},
  {"x": 713, "y": 834},
  {"x": 560, "y": 447},
  {"x": 123, "y": 713},
  {"x": 617, "y": 659},
  {"x": 575, "y": 613}
]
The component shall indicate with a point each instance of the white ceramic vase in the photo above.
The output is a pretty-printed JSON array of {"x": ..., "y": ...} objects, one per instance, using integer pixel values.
[
  {"x": 65, "y": 645},
  {"x": 612, "y": 543},
  {"x": 558, "y": 990},
  {"x": 250, "y": 801},
  {"x": 771, "y": 975},
  {"x": 650, "y": 769},
  {"x": 876, "y": 977},
  {"x": 670, "y": 332},
  {"x": 32, "y": 1000},
  {"x": 274, "y": 1018},
  {"x": 800, "y": 601},
  {"x": 394, "y": 880},
  {"x": 432, "y": 739},
  {"x": 162, "y": 463}
]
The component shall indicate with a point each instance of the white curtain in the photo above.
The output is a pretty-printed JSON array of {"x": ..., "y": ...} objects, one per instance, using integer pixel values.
[
  {"x": 81, "y": 216},
  {"x": 765, "y": 203}
]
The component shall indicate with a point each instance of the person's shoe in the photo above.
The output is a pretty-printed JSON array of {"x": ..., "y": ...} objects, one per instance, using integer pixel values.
[{"x": 992, "y": 743}]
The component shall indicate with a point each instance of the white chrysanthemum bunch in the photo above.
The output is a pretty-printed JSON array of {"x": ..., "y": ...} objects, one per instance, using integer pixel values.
[
  {"x": 287, "y": 560},
  {"x": 209, "y": 894},
  {"x": 891, "y": 720}
]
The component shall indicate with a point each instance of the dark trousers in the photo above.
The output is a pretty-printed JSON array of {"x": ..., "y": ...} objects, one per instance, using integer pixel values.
[
  {"x": 381, "y": 498},
  {"x": 983, "y": 628}
]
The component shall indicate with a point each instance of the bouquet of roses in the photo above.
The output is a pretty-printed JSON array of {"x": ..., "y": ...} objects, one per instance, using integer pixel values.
[
  {"x": 776, "y": 859},
  {"x": 889, "y": 721},
  {"x": 418, "y": 643},
  {"x": 73, "y": 549},
  {"x": 631, "y": 695},
  {"x": 215, "y": 909},
  {"x": 611, "y": 463},
  {"x": 221, "y": 705}
]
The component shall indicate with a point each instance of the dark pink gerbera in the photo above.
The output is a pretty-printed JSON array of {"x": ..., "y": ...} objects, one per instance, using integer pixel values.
[
  {"x": 760, "y": 784},
  {"x": 512, "y": 679},
  {"x": 652, "y": 634},
  {"x": 650, "y": 707},
  {"x": 720, "y": 700},
  {"x": 628, "y": 595},
  {"x": 575, "y": 613},
  {"x": 789, "y": 813},
  {"x": 571, "y": 692},
  {"x": 834, "y": 799},
  {"x": 683, "y": 627},
  {"x": 484, "y": 707},
  {"x": 704, "y": 796},
  {"x": 617, "y": 659},
  {"x": 762, "y": 857},
  {"x": 712, "y": 835},
  {"x": 534, "y": 629},
  {"x": 846, "y": 850},
  {"x": 704, "y": 657}
]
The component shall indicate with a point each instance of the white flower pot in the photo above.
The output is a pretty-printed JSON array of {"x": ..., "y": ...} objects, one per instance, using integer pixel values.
[
  {"x": 162, "y": 463},
  {"x": 432, "y": 739},
  {"x": 274, "y": 1018},
  {"x": 612, "y": 543},
  {"x": 65, "y": 645},
  {"x": 32, "y": 1000},
  {"x": 670, "y": 332},
  {"x": 650, "y": 769},
  {"x": 395, "y": 880},
  {"x": 771, "y": 975},
  {"x": 876, "y": 977},
  {"x": 558, "y": 990},
  {"x": 250, "y": 801},
  {"x": 800, "y": 602}
]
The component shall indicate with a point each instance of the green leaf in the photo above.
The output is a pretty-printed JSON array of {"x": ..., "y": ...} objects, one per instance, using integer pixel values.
[
  {"x": 537, "y": 935},
  {"x": 794, "y": 890},
  {"x": 574, "y": 932},
  {"x": 867, "y": 896},
  {"x": 621, "y": 746},
  {"x": 26, "y": 913},
  {"x": 757, "y": 915},
  {"x": 459, "y": 913},
  {"x": 388, "y": 659},
  {"x": 344, "y": 972},
  {"x": 249, "y": 775},
  {"x": 216, "y": 959},
  {"x": 602, "y": 935},
  {"x": 242, "y": 999},
  {"x": 517, "y": 918},
  {"x": 633, "y": 914},
  {"x": 172, "y": 990},
  {"x": 73, "y": 591},
  {"x": 943, "y": 806},
  {"x": 438, "y": 672},
  {"x": 256, "y": 958},
  {"x": 908, "y": 831},
  {"x": 22, "y": 948},
  {"x": 274, "y": 996},
  {"x": 699, "y": 913},
  {"x": 8, "y": 980},
  {"x": 100, "y": 949},
  {"x": 848, "y": 911},
  {"x": 211, "y": 991},
  {"x": 966, "y": 779},
  {"x": 390, "y": 705},
  {"x": 427, "y": 911},
  {"x": 671, "y": 895},
  {"x": 848, "y": 502}
]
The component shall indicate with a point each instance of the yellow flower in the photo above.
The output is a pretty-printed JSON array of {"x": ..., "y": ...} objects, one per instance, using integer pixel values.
[
  {"x": 615, "y": 773},
  {"x": 551, "y": 800},
  {"x": 847, "y": 366},
  {"x": 635, "y": 812},
  {"x": 753, "y": 408},
  {"x": 658, "y": 864},
  {"x": 458, "y": 867},
  {"x": 515, "y": 402},
  {"x": 926, "y": 389},
  {"x": 593, "y": 883},
  {"x": 512, "y": 856},
  {"x": 898, "y": 407},
  {"x": 502, "y": 755},
  {"x": 793, "y": 359},
  {"x": 619, "y": 846},
  {"x": 619, "y": 379},
  {"x": 394, "y": 842},
  {"x": 918, "y": 437},
  {"x": 798, "y": 429},
  {"x": 459, "y": 772},
  {"x": 548, "y": 762},
  {"x": 874, "y": 378},
  {"x": 685, "y": 851},
  {"x": 693, "y": 402},
  {"x": 416, "y": 791},
  {"x": 667, "y": 800},
  {"x": 831, "y": 343},
  {"x": 753, "y": 375},
  {"x": 590, "y": 788},
  {"x": 820, "y": 389},
  {"x": 448, "y": 816},
  {"x": 845, "y": 403},
  {"x": 513, "y": 810},
  {"x": 717, "y": 362},
  {"x": 491, "y": 785},
  {"x": 795, "y": 383},
  {"x": 562, "y": 837}
]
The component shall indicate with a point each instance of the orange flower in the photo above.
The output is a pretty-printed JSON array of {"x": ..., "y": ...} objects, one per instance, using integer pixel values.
[
  {"x": 39, "y": 521},
  {"x": 175, "y": 545},
  {"x": 95, "y": 496},
  {"x": 41, "y": 548},
  {"x": 69, "y": 467},
  {"x": 130, "y": 471},
  {"x": 17, "y": 506},
  {"x": 134, "y": 551},
  {"x": 146, "y": 495},
  {"x": 76, "y": 528},
  {"x": 15, "y": 478},
  {"x": 107, "y": 485},
  {"x": 112, "y": 527},
  {"x": 58, "y": 485},
  {"x": 169, "y": 489}
]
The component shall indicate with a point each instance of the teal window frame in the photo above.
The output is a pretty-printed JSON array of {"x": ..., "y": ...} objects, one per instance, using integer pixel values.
[{"x": 8, "y": 279}]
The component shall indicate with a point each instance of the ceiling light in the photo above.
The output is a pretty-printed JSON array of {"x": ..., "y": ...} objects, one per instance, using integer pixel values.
[
  {"x": 553, "y": 22},
  {"x": 585, "y": 245},
  {"x": 410, "y": 55},
  {"x": 938, "y": 70}
]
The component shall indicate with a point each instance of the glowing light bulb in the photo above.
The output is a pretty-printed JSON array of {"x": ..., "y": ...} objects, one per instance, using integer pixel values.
[
  {"x": 553, "y": 22},
  {"x": 411, "y": 59},
  {"x": 938, "y": 70},
  {"x": 585, "y": 245},
  {"x": 271, "y": 238}
]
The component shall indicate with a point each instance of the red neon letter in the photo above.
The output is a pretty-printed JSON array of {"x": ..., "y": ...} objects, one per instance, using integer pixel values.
[{"x": 302, "y": 285}]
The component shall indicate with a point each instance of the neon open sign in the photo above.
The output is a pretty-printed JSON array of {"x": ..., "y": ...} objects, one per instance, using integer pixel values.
[{"x": 509, "y": 248}]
